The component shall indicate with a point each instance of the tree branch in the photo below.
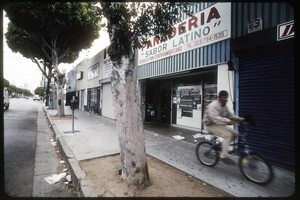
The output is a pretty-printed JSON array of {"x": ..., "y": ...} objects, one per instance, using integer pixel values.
[
  {"x": 63, "y": 54},
  {"x": 45, "y": 42},
  {"x": 72, "y": 36},
  {"x": 45, "y": 52},
  {"x": 39, "y": 66}
]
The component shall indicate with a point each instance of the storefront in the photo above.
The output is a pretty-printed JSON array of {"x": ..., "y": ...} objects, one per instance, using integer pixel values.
[
  {"x": 265, "y": 66},
  {"x": 93, "y": 100},
  {"x": 179, "y": 77}
]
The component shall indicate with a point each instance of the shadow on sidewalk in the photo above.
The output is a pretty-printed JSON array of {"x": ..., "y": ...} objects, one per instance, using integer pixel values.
[{"x": 170, "y": 131}]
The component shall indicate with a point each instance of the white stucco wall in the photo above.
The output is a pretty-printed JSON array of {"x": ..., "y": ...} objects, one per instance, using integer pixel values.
[
  {"x": 107, "y": 102},
  {"x": 225, "y": 82}
]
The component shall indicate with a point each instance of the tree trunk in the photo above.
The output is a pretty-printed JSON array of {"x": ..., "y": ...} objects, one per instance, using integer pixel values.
[
  {"x": 59, "y": 83},
  {"x": 129, "y": 124},
  {"x": 60, "y": 101},
  {"x": 48, "y": 87}
]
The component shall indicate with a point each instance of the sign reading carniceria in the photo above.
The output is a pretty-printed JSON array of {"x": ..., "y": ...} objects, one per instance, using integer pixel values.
[{"x": 205, "y": 27}]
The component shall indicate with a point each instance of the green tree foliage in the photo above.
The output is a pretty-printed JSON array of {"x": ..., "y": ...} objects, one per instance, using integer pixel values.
[
  {"x": 39, "y": 91},
  {"x": 15, "y": 90},
  {"x": 5, "y": 83},
  {"x": 61, "y": 29},
  {"x": 131, "y": 25},
  {"x": 67, "y": 27}
]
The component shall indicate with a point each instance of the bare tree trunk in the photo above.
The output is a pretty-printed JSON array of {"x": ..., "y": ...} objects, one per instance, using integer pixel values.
[
  {"x": 48, "y": 85},
  {"x": 60, "y": 100},
  {"x": 129, "y": 123},
  {"x": 59, "y": 83}
]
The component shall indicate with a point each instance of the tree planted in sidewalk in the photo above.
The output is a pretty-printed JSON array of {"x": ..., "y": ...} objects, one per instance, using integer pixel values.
[
  {"x": 60, "y": 29},
  {"x": 30, "y": 46},
  {"x": 130, "y": 26}
]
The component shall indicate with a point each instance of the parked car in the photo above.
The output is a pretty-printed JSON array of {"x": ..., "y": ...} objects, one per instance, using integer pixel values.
[
  {"x": 36, "y": 98},
  {"x": 6, "y": 99}
]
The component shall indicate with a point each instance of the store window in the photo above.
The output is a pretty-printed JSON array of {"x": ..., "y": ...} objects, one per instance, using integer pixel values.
[
  {"x": 187, "y": 102},
  {"x": 210, "y": 88},
  {"x": 190, "y": 98}
]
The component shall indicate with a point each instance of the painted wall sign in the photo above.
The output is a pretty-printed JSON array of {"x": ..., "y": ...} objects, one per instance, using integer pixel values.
[
  {"x": 79, "y": 75},
  {"x": 93, "y": 71},
  {"x": 285, "y": 30},
  {"x": 208, "y": 26}
]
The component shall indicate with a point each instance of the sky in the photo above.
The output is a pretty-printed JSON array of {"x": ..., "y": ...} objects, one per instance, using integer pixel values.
[{"x": 21, "y": 71}]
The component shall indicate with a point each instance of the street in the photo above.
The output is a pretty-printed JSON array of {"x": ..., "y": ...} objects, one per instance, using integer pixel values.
[{"x": 28, "y": 154}]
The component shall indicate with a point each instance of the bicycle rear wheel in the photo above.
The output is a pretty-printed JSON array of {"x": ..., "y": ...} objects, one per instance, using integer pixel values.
[
  {"x": 206, "y": 154},
  {"x": 255, "y": 168}
]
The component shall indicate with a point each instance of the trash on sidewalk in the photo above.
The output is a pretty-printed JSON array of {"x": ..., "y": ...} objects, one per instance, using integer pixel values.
[
  {"x": 53, "y": 143},
  {"x": 68, "y": 177},
  {"x": 119, "y": 169},
  {"x": 208, "y": 137},
  {"x": 178, "y": 137},
  {"x": 199, "y": 135},
  {"x": 64, "y": 170},
  {"x": 54, "y": 178},
  {"x": 155, "y": 134},
  {"x": 62, "y": 161}
]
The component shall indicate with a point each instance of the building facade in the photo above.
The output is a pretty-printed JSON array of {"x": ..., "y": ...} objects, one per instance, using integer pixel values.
[
  {"x": 244, "y": 48},
  {"x": 180, "y": 77},
  {"x": 263, "y": 50},
  {"x": 91, "y": 80}
]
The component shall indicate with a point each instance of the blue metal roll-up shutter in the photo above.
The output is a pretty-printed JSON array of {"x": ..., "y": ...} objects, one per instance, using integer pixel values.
[{"x": 267, "y": 92}]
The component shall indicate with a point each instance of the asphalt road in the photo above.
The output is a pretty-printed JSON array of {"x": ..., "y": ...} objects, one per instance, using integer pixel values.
[{"x": 29, "y": 156}]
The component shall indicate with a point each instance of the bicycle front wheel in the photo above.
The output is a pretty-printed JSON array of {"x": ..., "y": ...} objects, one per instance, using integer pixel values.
[
  {"x": 256, "y": 169},
  {"x": 206, "y": 154}
]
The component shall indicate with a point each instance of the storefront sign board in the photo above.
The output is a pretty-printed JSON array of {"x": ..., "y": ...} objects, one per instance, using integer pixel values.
[
  {"x": 208, "y": 26},
  {"x": 285, "y": 30}
]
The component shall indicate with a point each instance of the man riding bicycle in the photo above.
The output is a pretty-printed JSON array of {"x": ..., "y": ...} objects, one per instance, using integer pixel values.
[{"x": 216, "y": 118}]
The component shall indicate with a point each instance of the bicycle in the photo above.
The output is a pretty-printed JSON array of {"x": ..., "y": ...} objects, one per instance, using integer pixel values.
[
  {"x": 254, "y": 167},
  {"x": 93, "y": 107}
]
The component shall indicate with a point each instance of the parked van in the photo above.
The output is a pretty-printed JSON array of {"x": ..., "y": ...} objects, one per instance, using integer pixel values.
[{"x": 6, "y": 99}]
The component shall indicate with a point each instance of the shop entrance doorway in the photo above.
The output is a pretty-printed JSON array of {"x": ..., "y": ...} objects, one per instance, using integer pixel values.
[
  {"x": 150, "y": 103},
  {"x": 165, "y": 106}
]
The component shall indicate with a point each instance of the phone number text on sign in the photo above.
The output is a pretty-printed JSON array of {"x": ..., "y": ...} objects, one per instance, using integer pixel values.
[{"x": 209, "y": 39}]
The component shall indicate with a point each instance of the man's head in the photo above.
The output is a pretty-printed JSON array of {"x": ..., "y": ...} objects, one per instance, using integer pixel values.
[{"x": 223, "y": 97}]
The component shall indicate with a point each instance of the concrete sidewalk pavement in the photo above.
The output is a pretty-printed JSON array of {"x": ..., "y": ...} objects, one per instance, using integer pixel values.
[{"x": 97, "y": 137}]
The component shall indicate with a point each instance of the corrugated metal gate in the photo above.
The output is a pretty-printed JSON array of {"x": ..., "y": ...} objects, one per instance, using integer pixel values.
[{"x": 267, "y": 92}]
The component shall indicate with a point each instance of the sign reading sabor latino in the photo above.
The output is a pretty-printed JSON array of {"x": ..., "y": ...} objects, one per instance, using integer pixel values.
[{"x": 205, "y": 27}]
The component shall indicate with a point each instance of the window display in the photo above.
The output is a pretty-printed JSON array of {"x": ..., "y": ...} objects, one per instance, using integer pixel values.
[
  {"x": 190, "y": 98},
  {"x": 189, "y": 107},
  {"x": 210, "y": 93}
]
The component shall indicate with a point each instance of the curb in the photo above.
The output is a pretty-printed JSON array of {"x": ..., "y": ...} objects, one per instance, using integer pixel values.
[{"x": 83, "y": 187}]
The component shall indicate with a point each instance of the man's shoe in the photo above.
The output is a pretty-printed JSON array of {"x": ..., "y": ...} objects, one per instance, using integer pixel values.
[{"x": 228, "y": 161}]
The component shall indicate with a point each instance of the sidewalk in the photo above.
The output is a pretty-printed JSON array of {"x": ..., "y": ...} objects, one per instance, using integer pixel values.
[{"x": 97, "y": 137}]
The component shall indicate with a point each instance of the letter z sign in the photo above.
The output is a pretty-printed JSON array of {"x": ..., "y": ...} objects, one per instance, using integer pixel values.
[{"x": 285, "y": 30}]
